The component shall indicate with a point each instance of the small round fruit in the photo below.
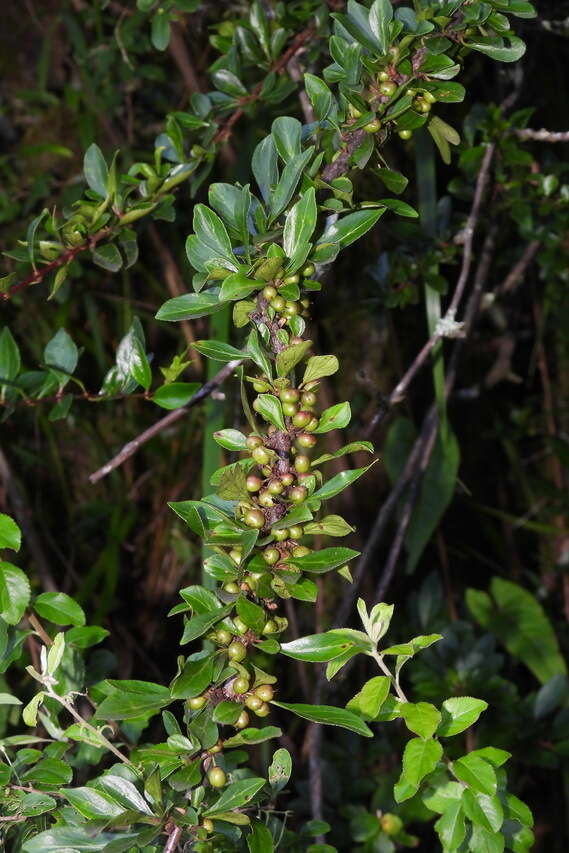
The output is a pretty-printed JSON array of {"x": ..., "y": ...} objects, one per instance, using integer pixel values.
[
  {"x": 289, "y": 395},
  {"x": 240, "y": 685},
  {"x": 391, "y": 823},
  {"x": 253, "y": 702},
  {"x": 254, "y": 441},
  {"x": 270, "y": 627},
  {"x": 394, "y": 53},
  {"x": 217, "y": 747},
  {"x": 429, "y": 97},
  {"x": 308, "y": 399},
  {"x": 287, "y": 479},
  {"x": 309, "y": 270},
  {"x": 242, "y": 720},
  {"x": 422, "y": 105},
  {"x": 196, "y": 703},
  {"x": 279, "y": 535},
  {"x": 237, "y": 651},
  {"x": 263, "y": 711},
  {"x": 292, "y": 279},
  {"x": 298, "y": 494},
  {"x": 261, "y": 456},
  {"x": 269, "y": 292},
  {"x": 291, "y": 309},
  {"x": 301, "y": 551},
  {"x": 235, "y": 556},
  {"x": 289, "y": 409},
  {"x": 239, "y": 624},
  {"x": 266, "y": 470},
  {"x": 278, "y": 303},
  {"x": 207, "y": 824},
  {"x": 383, "y": 77},
  {"x": 224, "y": 637},
  {"x": 302, "y": 463},
  {"x": 295, "y": 340},
  {"x": 405, "y": 134},
  {"x": 271, "y": 556},
  {"x": 260, "y": 387},
  {"x": 253, "y": 483},
  {"x": 311, "y": 426},
  {"x": 388, "y": 88},
  {"x": 265, "y": 498},
  {"x": 373, "y": 126},
  {"x": 295, "y": 532},
  {"x": 265, "y": 692},
  {"x": 301, "y": 419},
  {"x": 216, "y": 777},
  {"x": 275, "y": 487},
  {"x": 231, "y": 587},
  {"x": 306, "y": 440}
]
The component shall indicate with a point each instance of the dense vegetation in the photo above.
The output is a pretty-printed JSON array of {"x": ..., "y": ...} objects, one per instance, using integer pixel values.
[{"x": 330, "y": 240}]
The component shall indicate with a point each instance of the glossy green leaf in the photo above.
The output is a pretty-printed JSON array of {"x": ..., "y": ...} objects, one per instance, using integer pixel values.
[
  {"x": 353, "y": 447},
  {"x": 59, "y": 608},
  {"x": 286, "y": 132},
  {"x": 107, "y": 256},
  {"x": 317, "y": 648},
  {"x": 238, "y": 286},
  {"x": 10, "y": 534},
  {"x": 95, "y": 170},
  {"x": 421, "y": 718},
  {"x": 324, "y": 560},
  {"x": 190, "y": 306},
  {"x": 300, "y": 222},
  {"x": 231, "y": 439},
  {"x": 252, "y": 614},
  {"x": 93, "y": 804},
  {"x": 336, "y": 417},
  {"x": 328, "y": 715},
  {"x": 260, "y": 840},
  {"x": 133, "y": 699},
  {"x": 419, "y": 759},
  {"x": 173, "y": 395},
  {"x": 10, "y": 360},
  {"x": 253, "y": 736},
  {"x": 160, "y": 30},
  {"x": 265, "y": 166},
  {"x": 280, "y": 769},
  {"x": 194, "y": 678},
  {"x": 219, "y": 351},
  {"x": 380, "y": 17},
  {"x": 368, "y": 702},
  {"x": 338, "y": 483},
  {"x": 477, "y": 773},
  {"x": 320, "y": 366},
  {"x": 451, "y": 827},
  {"x": 289, "y": 357},
  {"x": 498, "y": 48},
  {"x": 270, "y": 409},
  {"x": 330, "y": 525},
  {"x": 483, "y": 810},
  {"x": 14, "y": 593},
  {"x": 459, "y": 713},
  {"x": 211, "y": 231},
  {"x": 319, "y": 94},
  {"x": 350, "y": 228},
  {"x": 235, "y": 796},
  {"x": 288, "y": 181},
  {"x": 61, "y": 352}
]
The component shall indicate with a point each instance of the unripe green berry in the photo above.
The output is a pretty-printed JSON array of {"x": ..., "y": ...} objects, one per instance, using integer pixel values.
[
  {"x": 301, "y": 551},
  {"x": 253, "y": 483},
  {"x": 289, "y": 409},
  {"x": 278, "y": 303},
  {"x": 240, "y": 685},
  {"x": 405, "y": 134},
  {"x": 270, "y": 627},
  {"x": 429, "y": 97},
  {"x": 295, "y": 340},
  {"x": 291, "y": 309},
  {"x": 269, "y": 292},
  {"x": 279, "y": 535},
  {"x": 263, "y": 711},
  {"x": 305, "y": 439},
  {"x": 237, "y": 651},
  {"x": 196, "y": 703},
  {"x": 235, "y": 555},
  {"x": 373, "y": 126},
  {"x": 289, "y": 395},
  {"x": 261, "y": 455},
  {"x": 216, "y": 777},
  {"x": 422, "y": 105},
  {"x": 265, "y": 692},
  {"x": 265, "y": 499},
  {"x": 217, "y": 747},
  {"x": 224, "y": 637},
  {"x": 298, "y": 494},
  {"x": 309, "y": 270},
  {"x": 240, "y": 625},
  {"x": 308, "y": 399},
  {"x": 260, "y": 387},
  {"x": 287, "y": 479},
  {"x": 394, "y": 53},
  {"x": 383, "y": 76},
  {"x": 391, "y": 823},
  {"x": 292, "y": 279},
  {"x": 242, "y": 720},
  {"x": 207, "y": 824},
  {"x": 302, "y": 463},
  {"x": 388, "y": 88},
  {"x": 253, "y": 702},
  {"x": 295, "y": 532},
  {"x": 275, "y": 487},
  {"x": 301, "y": 419},
  {"x": 271, "y": 556},
  {"x": 254, "y": 441},
  {"x": 254, "y": 518},
  {"x": 231, "y": 587}
]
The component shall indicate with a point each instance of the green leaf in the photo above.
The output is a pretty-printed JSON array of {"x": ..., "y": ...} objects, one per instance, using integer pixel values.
[
  {"x": 107, "y": 257},
  {"x": 231, "y": 439},
  {"x": 476, "y": 773},
  {"x": 300, "y": 222},
  {"x": 95, "y": 170},
  {"x": 394, "y": 181},
  {"x": 320, "y": 96},
  {"x": 336, "y": 417},
  {"x": 260, "y": 840},
  {"x": 238, "y": 286},
  {"x": 10, "y": 361},
  {"x": 325, "y": 560},
  {"x": 252, "y": 614},
  {"x": 173, "y": 395},
  {"x": 320, "y": 366},
  {"x": 10, "y": 534},
  {"x": 517, "y": 618},
  {"x": 450, "y": 827},
  {"x": 198, "y": 625},
  {"x": 380, "y": 17},
  {"x": 64, "y": 839},
  {"x": 280, "y": 769},
  {"x": 265, "y": 167},
  {"x": 367, "y": 703},
  {"x": 30, "y": 712},
  {"x": 353, "y": 447},
  {"x": 517, "y": 810},
  {"x": 253, "y": 736},
  {"x": 61, "y": 352},
  {"x": 338, "y": 483},
  {"x": 399, "y": 207},
  {"x": 123, "y": 792},
  {"x": 258, "y": 353},
  {"x": 459, "y": 713},
  {"x": 219, "y": 351},
  {"x": 59, "y": 608},
  {"x": 286, "y": 132},
  {"x": 93, "y": 804},
  {"x": 14, "y": 593},
  {"x": 328, "y": 715},
  {"x": 419, "y": 759},
  {"x": 483, "y": 810},
  {"x": 160, "y": 30},
  {"x": 235, "y": 796},
  {"x": 133, "y": 699},
  {"x": 421, "y": 718},
  {"x": 233, "y": 205},
  {"x": 194, "y": 678},
  {"x": 484, "y": 840},
  {"x": 289, "y": 357},
  {"x": 131, "y": 356},
  {"x": 498, "y": 48},
  {"x": 226, "y": 713},
  {"x": 318, "y": 648},
  {"x": 269, "y": 407},
  {"x": 377, "y": 622},
  {"x": 190, "y": 306},
  {"x": 288, "y": 182},
  {"x": 211, "y": 231},
  {"x": 228, "y": 83},
  {"x": 350, "y": 228},
  {"x": 330, "y": 525}
]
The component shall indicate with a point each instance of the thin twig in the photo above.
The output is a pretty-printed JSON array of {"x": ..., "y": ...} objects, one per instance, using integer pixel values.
[
  {"x": 518, "y": 271},
  {"x": 543, "y": 135},
  {"x": 135, "y": 444},
  {"x": 173, "y": 839}
]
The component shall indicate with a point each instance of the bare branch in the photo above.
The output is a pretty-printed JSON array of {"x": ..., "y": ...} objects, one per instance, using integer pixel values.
[{"x": 543, "y": 135}]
